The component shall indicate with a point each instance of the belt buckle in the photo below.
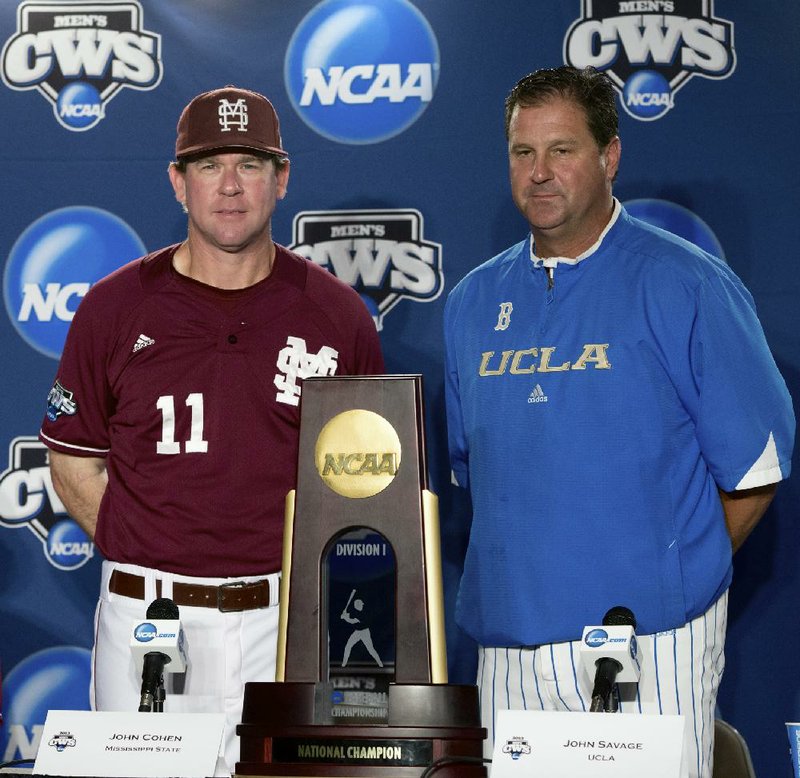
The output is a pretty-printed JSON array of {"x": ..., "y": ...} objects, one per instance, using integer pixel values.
[{"x": 231, "y": 585}]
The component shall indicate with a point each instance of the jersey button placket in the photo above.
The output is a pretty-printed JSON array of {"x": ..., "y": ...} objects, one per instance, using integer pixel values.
[
  {"x": 231, "y": 335},
  {"x": 549, "y": 297}
]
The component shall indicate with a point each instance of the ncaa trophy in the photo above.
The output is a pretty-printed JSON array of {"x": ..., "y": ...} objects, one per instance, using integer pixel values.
[{"x": 361, "y": 683}]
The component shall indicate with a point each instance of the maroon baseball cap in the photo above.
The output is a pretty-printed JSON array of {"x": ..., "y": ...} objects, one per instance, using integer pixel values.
[{"x": 228, "y": 118}]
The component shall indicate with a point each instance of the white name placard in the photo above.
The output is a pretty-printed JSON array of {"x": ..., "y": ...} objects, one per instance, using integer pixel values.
[
  {"x": 126, "y": 745},
  {"x": 586, "y": 745}
]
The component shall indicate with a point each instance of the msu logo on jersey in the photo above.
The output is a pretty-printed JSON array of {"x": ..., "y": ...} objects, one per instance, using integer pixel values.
[
  {"x": 79, "y": 55},
  {"x": 381, "y": 254},
  {"x": 651, "y": 48}
]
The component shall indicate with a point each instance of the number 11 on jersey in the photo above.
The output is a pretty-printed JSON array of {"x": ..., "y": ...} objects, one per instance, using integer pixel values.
[{"x": 168, "y": 444}]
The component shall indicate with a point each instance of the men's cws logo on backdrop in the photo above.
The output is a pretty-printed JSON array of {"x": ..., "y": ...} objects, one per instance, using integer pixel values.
[
  {"x": 28, "y": 499},
  {"x": 362, "y": 71},
  {"x": 679, "y": 221},
  {"x": 381, "y": 254},
  {"x": 52, "y": 265},
  {"x": 651, "y": 48},
  {"x": 52, "y": 679},
  {"x": 79, "y": 55}
]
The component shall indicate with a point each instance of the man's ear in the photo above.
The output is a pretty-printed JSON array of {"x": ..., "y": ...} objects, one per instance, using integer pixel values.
[{"x": 178, "y": 181}]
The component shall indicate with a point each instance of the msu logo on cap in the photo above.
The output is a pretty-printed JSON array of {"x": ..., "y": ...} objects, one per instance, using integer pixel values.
[
  {"x": 229, "y": 118},
  {"x": 232, "y": 115}
]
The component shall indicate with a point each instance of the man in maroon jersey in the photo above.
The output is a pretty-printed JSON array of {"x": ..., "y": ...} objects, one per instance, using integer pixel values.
[{"x": 173, "y": 421}]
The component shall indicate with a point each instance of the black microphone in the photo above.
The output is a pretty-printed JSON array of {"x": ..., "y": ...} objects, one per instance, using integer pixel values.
[
  {"x": 152, "y": 696},
  {"x": 603, "y": 697}
]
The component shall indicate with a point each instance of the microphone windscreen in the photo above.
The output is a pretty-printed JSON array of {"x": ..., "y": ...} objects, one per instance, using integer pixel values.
[
  {"x": 162, "y": 608},
  {"x": 619, "y": 616}
]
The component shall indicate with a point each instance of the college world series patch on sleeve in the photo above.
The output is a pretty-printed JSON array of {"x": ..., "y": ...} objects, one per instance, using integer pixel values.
[{"x": 60, "y": 401}]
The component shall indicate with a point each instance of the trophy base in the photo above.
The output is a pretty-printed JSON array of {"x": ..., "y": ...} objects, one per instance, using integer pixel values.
[{"x": 286, "y": 731}]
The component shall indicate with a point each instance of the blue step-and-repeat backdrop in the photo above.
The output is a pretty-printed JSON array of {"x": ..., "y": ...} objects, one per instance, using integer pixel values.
[{"x": 392, "y": 112}]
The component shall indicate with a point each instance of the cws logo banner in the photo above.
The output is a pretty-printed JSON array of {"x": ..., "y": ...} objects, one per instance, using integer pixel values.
[
  {"x": 651, "y": 48},
  {"x": 28, "y": 499},
  {"x": 381, "y": 254},
  {"x": 79, "y": 55},
  {"x": 362, "y": 71}
]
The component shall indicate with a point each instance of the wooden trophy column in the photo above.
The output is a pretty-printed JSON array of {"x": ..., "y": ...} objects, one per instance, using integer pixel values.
[{"x": 361, "y": 488}]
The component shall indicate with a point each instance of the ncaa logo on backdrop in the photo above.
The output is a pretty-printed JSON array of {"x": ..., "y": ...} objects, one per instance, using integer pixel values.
[
  {"x": 381, "y": 254},
  {"x": 678, "y": 220},
  {"x": 362, "y": 71},
  {"x": 52, "y": 679},
  {"x": 52, "y": 265},
  {"x": 79, "y": 55},
  {"x": 651, "y": 48},
  {"x": 28, "y": 499}
]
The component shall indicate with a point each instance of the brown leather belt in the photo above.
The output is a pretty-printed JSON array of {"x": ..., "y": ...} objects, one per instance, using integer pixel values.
[{"x": 234, "y": 596}]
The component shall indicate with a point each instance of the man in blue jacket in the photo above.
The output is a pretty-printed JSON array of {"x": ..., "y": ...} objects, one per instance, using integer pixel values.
[{"x": 617, "y": 416}]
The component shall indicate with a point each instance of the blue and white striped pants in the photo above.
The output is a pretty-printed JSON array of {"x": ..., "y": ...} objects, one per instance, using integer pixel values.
[{"x": 681, "y": 672}]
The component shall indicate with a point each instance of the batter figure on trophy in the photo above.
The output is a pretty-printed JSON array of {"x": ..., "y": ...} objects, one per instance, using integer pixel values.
[{"x": 363, "y": 633}]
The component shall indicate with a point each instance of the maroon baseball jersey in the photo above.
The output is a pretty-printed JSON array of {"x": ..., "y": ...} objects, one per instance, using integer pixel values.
[{"x": 191, "y": 393}]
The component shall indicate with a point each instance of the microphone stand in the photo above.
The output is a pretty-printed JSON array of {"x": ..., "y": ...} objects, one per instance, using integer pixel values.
[
  {"x": 159, "y": 697},
  {"x": 598, "y": 704},
  {"x": 612, "y": 704},
  {"x": 153, "y": 703},
  {"x": 606, "y": 702}
]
